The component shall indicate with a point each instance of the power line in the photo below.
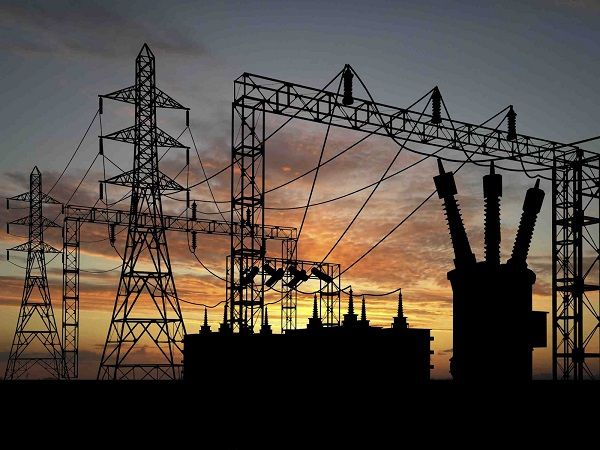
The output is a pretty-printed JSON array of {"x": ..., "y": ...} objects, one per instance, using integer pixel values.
[{"x": 75, "y": 152}]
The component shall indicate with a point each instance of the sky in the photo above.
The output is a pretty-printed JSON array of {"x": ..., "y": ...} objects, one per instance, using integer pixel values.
[{"x": 542, "y": 56}]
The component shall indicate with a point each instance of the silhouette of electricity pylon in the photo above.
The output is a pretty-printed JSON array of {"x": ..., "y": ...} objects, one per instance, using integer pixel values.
[
  {"x": 147, "y": 322},
  {"x": 36, "y": 343}
]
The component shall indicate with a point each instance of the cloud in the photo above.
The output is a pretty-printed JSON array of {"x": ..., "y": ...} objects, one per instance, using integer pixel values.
[{"x": 68, "y": 27}]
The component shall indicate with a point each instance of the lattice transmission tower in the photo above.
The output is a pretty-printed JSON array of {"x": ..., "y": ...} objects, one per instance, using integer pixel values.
[
  {"x": 145, "y": 336},
  {"x": 36, "y": 347}
]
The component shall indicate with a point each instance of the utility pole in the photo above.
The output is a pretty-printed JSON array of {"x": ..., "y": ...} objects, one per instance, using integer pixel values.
[{"x": 36, "y": 343}]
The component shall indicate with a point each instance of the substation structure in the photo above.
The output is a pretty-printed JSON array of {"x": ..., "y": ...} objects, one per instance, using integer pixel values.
[
  {"x": 251, "y": 272},
  {"x": 573, "y": 171}
]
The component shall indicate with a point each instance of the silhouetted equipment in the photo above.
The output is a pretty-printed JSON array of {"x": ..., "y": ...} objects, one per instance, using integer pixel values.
[
  {"x": 364, "y": 322},
  {"x": 194, "y": 210},
  {"x": 372, "y": 354},
  {"x": 531, "y": 208},
  {"x": 194, "y": 240},
  {"x": 75, "y": 216},
  {"x": 446, "y": 189},
  {"x": 274, "y": 275},
  {"x": 492, "y": 191},
  {"x": 315, "y": 320},
  {"x": 400, "y": 320},
  {"x": 350, "y": 318},
  {"x": 348, "y": 99},
  {"x": 575, "y": 222},
  {"x": 481, "y": 291},
  {"x": 575, "y": 194},
  {"x": 512, "y": 124},
  {"x": 297, "y": 276},
  {"x": 321, "y": 275},
  {"x": 205, "y": 328},
  {"x": 112, "y": 238},
  {"x": 36, "y": 344},
  {"x": 265, "y": 328},
  {"x": 249, "y": 276},
  {"x": 131, "y": 327},
  {"x": 436, "y": 106}
]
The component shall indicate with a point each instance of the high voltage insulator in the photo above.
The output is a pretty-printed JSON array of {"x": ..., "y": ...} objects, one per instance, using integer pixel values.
[
  {"x": 446, "y": 189},
  {"x": 511, "y": 115},
  {"x": 194, "y": 210},
  {"x": 187, "y": 117},
  {"x": 297, "y": 276},
  {"x": 100, "y": 146},
  {"x": 187, "y": 156},
  {"x": 321, "y": 275},
  {"x": 101, "y": 191},
  {"x": 436, "y": 106},
  {"x": 348, "y": 99},
  {"x": 111, "y": 234},
  {"x": 274, "y": 275},
  {"x": 492, "y": 191},
  {"x": 187, "y": 198},
  {"x": 249, "y": 277},
  {"x": 531, "y": 208},
  {"x": 100, "y": 109},
  {"x": 194, "y": 242}
]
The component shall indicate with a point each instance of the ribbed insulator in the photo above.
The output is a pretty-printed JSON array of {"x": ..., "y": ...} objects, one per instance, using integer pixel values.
[
  {"x": 512, "y": 124},
  {"x": 436, "y": 107},
  {"x": 348, "y": 98},
  {"x": 458, "y": 235},
  {"x": 194, "y": 242},
  {"x": 492, "y": 230},
  {"x": 194, "y": 210},
  {"x": 111, "y": 234}
]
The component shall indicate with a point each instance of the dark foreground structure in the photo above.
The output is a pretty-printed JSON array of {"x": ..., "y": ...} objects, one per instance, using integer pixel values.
[
  {"x": 492, "y": 302},
  {"x": 315, "y": 354}
]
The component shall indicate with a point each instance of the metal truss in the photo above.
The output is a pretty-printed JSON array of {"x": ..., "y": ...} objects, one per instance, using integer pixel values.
[
  {"x": 575, "y": 175},
  {"x": 147, "y": 309},
  {"x": 36, "y": 343},
  {"x": 76, "y": 216}
]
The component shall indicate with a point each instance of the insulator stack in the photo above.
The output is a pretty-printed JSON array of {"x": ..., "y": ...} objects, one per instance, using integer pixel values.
[
  {"x": 492, "y": 191},
  {"x": 111, "y": 234},
  {"x": 194, "y": 210},
  {"x": 274, "y": 275},
  {"x": 194, "y": 241},
  {"x": 531, "y": 208},
  {"x": 187, "y": 117},
  {"x": 348, "y": 99},
  {"x": 321, "y": 275},
  {"x": 100, "y": 146},
  {"x": 297, "y": 276},
  {"x": 249, "y": 277},
  {"x": 512, "y": 124},
  {"x": 100, "y": 108},
  {"x": 436, "y": 106},
  {"x": 446, "y": 189},
  {"x": 101, "y": 191}
]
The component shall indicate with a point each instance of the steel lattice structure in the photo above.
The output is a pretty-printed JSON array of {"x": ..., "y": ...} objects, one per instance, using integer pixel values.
[
  {"x": 76, "y": 216},
  {"x": 575, "y": 192},
  {"x": 36, "y": 323},
  {"x": 146, "y": 277}
]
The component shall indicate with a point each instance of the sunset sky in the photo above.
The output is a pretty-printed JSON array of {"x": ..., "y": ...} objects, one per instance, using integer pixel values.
[{"x": 542, "y": 56}]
